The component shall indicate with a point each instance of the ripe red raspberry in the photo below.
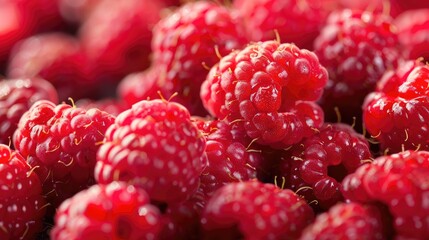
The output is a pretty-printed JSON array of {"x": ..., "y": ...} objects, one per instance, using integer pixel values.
[
  {"x": 114, "y": 211},
  {"x": 189, "y": 41},
  {"x": 356, "y": 47},
  {"x": 296, "y": 21},
  {"x": 16, "y": 97},
  {"x": 154, "y": 145},
  {"x": 56, "y": 57},
  {"x": 270, "y": 88},
  {"x": 109, "y": 105},
  {"x": 60, "y": 142},
  {"x": 22, "y": 205},
  {"x": 315, "y": 167},
  {"x": 144, "y": 85},
  {"x": 229, "y": 160},
  {"x": 399, "y": 181},
  {"x": 413, "y": 34},
  {"x": 396, "y": 113},
  {"x": 352, "y": 221},
  {"x": 254, "y": 210},
  {"x": 124, "y": 48}
]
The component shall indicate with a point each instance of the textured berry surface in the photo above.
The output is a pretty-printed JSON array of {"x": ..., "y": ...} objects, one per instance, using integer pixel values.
[
  {"x": 154, "y": 145},
  {"x": 109, "y": 105},
  {"x": 16, "y": 97},
  {"x": 356, "y": 47},
  {"x": 229, "y": 160},
  {"x": 413, "y": 34},
  {"x": 294, "y": 20},
  {"x": 189, "y": 41},
  {"x": 397, "y": 112},
  {"x": 270, "y": 88},
  {"x": 115, "y": 211},
  {"x": 400, "y": 182},
  {"x": 22, "y": 206},
  {"x": 60, "y": 142},
  {"x": 254, "y": 210},
  {"x": 315, "y": 167},
  {"x": 351, "y": 221},
  {"x": 124, "y": 48},
  {"x": 57, "y": 58}
]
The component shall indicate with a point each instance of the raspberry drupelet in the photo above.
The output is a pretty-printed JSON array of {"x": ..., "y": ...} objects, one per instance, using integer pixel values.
[{"x": 270, "y": 88}]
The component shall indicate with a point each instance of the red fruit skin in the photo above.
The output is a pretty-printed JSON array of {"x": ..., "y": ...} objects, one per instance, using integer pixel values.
[
  {"x": 315, "y": 167},
  {"x": 245, "y": 209},
  {"x": 228, "y": 156},
  {"x": 270, "y": 89},
  {"x": 351, "y": 221},
  {"x": 356, "y": 47},
  {"x": 109, "y": 105},
  {"x": 119, "y": 51},
  {"x": 16, "y": 97},
  {"x": 56, "y": 57},
  {"x": 114, "y": 211},
  {"x": 295, "y": 21},
  {"x": 396, "y": 113},
  {"x": 60, "y": 142},
  {"x": 21, "y": 200},
  {"x": 188, "y": 42},
  {"x": 155, "y": 146},
  {"x": 412, "y": 27},
  {"x": 398, "y": 181}
]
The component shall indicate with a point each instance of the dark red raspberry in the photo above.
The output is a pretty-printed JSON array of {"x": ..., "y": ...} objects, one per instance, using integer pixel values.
[
  {"x": 56, "y": 57},
  {"x": 295, "y": 21},
  {"x": 16, "y": 97},
  {"x": 22, "y": 206},
  {"x": 356, "y": 47},
  {"x": 397, "y": 112},
  {"x": 189, "y": 41},
  {"x": 154, "y": 145},
  {"x": 109, "y": 105},
  {"x": 254, "y": 210},
  {"x": 413, "y": 33},
  {"x": 399, "y": 181},
  {"x": 315, "y": 167},
  {"x": 125, "y": 48},
  {"x": 352, "y": 221},
  {"x": 60, "y": 142},
  {"x": 270, "y": 88},
  {"x": 229, "y": 160},
  {"x": 114, "y": 211}
]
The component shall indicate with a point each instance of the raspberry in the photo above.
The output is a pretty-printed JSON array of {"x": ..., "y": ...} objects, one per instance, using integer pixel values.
[
  {"x": 126, "y": 47},
  {"x": 295, "y": 21},
  {"x": 114, "y": 211},
  {"x": 270, "y": 88},
  {"x": 315, "y": 167},
  {"x": 413, "y": 33},
  {"x": 190, "y": 40},
  {"x": 16, "y": 97},
  {"x": 22, "y": 206},
  {"x": 155, "y": 146},
  {"x": 109, "y": 105},
  {"x": 77, "y": 12},
  {"x": 143, "y": 85},
  {"x": 228, "y": 157},
  {"x": 60, "y": 142},
  {"x": 254, "y": 210},
  {"x": 352, "y": 221},
  {"x": 396, "y": 113},
  {"x": 56, "y": 57},
  {"x": 356, "y": 47},
  {"x": 398, "y": 181}
]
